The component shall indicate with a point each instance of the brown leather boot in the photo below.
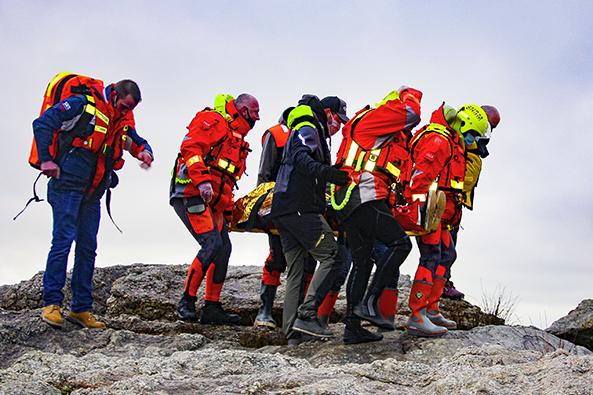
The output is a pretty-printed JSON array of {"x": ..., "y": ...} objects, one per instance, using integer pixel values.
[
  {"x": 85, "y": 319},
  {"x": 52, "y": 314}
]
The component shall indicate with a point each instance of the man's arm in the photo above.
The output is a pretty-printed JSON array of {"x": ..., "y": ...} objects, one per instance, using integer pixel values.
[
  {"x": 268, "y": 160},
  {"x": 430, "y": 157},
  {"x": 303, "y": 145},
  {"x": 138, "y": 147},
  {"x": 62, "y": 116}
]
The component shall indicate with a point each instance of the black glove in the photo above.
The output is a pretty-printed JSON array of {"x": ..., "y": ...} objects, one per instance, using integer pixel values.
[{"x": 338, "y": 177}]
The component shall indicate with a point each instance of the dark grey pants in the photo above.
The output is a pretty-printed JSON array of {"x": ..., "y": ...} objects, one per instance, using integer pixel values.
[{"x": 302, "y": 235}]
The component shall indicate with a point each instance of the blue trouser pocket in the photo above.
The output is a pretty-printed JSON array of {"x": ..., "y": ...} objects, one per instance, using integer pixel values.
[{"x": 76, "y": 170}]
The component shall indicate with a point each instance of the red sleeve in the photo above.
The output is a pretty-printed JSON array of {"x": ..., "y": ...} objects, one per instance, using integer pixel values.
[
  {"x": 391, "y": 117},
  {"x": 430, "y": 155},
  {"x": 205, "y": 130}
]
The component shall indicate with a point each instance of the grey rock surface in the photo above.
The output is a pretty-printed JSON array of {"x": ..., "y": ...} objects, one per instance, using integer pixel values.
[
  {"x": 577, "y": 326},
  {"x": 146, "y": 350}
]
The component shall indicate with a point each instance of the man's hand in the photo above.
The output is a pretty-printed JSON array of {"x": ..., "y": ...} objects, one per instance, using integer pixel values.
[
  {"x": 206, "y": 191},
  {"x": 338, "y": 177},
  {"x": 146, "y": 158},
  {"x": 50, "y": 169}
]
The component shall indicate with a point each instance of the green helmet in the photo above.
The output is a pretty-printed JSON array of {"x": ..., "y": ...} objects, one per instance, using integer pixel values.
[{"x": 471, "y": 118}]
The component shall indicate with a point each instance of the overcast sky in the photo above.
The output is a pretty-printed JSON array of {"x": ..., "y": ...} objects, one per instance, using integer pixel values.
[{"x": 532, "y": 229}]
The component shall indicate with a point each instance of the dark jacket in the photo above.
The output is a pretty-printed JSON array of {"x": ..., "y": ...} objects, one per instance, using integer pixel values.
[{"x": 301, "y": 181}]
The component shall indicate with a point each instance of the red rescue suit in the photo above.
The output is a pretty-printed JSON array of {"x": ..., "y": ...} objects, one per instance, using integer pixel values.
[
  {"x": 213, "y": 150},
  {"x": 438, "y": 154},
  {"x": 373, "y": 148}
]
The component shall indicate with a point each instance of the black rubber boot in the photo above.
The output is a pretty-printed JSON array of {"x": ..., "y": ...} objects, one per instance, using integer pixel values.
[
  {"x": 264, "y": 317},
  {"x": 368, "y": 310},
  {"x": 213, "y": 314},
  {"x": 186, "y": 308},
  {"x": 354, "y": 333}
]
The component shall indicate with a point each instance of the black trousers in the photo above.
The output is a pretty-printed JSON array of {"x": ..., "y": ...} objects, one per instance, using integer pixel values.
[{"x": 370, "y": 222}]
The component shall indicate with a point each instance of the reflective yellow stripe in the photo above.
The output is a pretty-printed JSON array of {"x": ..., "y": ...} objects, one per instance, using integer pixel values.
[
  {"x": 89, "y": 143},
  {"x": 193, "y": 160},
  {"x": 351, "y": 154},
  {"x": 226, "y": 165},
  {"x": 100, "y": 129},
  {"x": 393, "y": 170},
  {"x": 419, "y": 196},
  {"x": 90, "y": 109},
  {"x": 456, "y": 184},
  {"x": 180, "y": 181},
  {"x": 102, "y": 117},
  {"x": 223, "y": 163},
  {"x": 372, "y": 160}
]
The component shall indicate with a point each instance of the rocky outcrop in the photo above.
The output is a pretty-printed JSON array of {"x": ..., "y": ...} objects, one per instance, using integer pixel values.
[
  {"x": 146, "y": 350},
  {"x": 151, "y": 292},
  {"x": 577, "y": 326}
]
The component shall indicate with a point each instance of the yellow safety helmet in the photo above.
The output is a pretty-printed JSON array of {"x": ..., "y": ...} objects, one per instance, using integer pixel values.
[{"x": 471, "y": 118}]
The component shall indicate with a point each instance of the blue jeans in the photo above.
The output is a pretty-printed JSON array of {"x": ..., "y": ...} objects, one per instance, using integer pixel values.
[{"x": 75, "y": 219}]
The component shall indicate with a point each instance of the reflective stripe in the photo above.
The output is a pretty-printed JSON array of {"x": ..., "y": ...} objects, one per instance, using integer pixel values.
[
  {"x": 372, "y": 160},
  {"x": 180, "y": 181},
  {"x": 456, "y": 184},
  {"x": 90, "y": 109},
  {"x": 226, "y": 165},
  {"x": 351, "y": 154},
  {"x": 100, "y": 129},
  {"x": 393, "y": 170},
  {"x": 55, "y": 80},
  {"x": 193, "y": 160},
  {"x": 102, "y": 117},
  {"x": 89, "y": 143}
]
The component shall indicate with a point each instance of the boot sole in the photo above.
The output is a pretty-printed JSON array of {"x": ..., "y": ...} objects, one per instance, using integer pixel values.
[
  {"x": 359, "y": 341},
  {"x": 52, "y": 323},
  {"x": 311, "y": 333},
  {"x": 418, "y": 332},
  {"x": 265, "y": 324}
]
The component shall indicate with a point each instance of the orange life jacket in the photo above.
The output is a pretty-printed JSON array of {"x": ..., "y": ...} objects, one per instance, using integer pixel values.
[
  {"x": 63, "y": 86},
  {"x": 280, "y": 132},
  {"x": 389, "y": 158}
]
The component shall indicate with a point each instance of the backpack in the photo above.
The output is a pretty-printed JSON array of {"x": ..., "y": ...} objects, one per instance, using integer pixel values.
[{"x": 62, "y": 86}]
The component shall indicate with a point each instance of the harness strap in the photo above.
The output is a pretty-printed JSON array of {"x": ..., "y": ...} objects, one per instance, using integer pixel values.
[
  {"x": 35, "y": 198},
  {"x": 108, "y": 207}
]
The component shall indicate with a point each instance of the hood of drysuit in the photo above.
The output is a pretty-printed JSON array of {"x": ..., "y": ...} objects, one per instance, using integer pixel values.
[
  {"x": 225, "y": 105},
  {"x": 302, "y": 115}
]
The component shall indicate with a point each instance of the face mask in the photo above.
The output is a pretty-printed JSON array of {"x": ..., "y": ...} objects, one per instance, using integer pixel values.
[
  {"x": 333, "y": 125},
  {"x": 482, "y": 150},
  {"x": 469, "y": 138}
]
